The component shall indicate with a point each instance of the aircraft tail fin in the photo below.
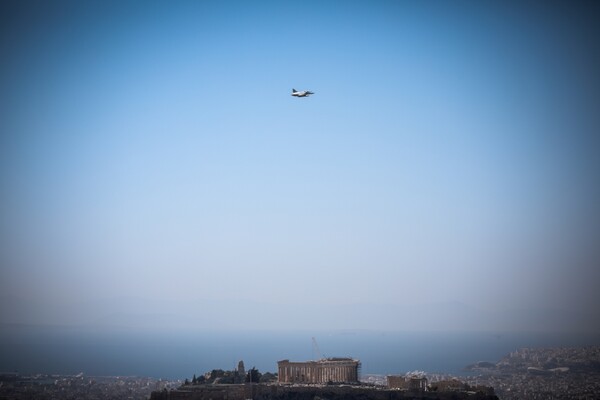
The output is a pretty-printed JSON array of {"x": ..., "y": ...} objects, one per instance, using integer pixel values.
[{"x": 294, "y": 90}]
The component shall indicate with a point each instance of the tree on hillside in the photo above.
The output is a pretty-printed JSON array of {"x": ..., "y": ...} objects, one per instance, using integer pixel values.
[
  {"x": 253, "y": 375},
  {"x": 268, "y": 377},
  {"x": 216, "y": 373}
]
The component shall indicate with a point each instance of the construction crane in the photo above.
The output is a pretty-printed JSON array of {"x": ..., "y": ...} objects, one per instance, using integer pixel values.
[{"x": 315, "y": 350}]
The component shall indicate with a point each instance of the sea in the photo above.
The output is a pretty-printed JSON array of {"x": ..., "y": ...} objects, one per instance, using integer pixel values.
[{"x": 180, "y": 355}]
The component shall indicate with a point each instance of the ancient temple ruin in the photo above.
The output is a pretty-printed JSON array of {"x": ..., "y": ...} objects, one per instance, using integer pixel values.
[{"x": 326, "y": 370}]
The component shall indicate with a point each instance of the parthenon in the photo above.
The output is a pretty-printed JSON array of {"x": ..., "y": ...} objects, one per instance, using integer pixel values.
[{"x": 336, "y": 370}]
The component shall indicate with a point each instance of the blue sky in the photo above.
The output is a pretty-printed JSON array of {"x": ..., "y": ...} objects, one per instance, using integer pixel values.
[{"x": 153, "y": 160}]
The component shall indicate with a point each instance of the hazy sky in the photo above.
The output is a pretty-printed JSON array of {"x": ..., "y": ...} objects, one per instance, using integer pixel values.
[{"x": 154, "y": 167}]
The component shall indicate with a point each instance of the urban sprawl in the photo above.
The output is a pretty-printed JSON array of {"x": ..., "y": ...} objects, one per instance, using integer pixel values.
[{"x": 546, "y": 373}]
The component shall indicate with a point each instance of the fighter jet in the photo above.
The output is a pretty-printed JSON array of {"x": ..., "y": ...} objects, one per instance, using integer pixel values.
[{"x": 304, "y": 93}]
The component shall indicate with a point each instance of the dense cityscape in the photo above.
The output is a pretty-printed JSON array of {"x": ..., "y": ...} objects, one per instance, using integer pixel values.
[
  {"x": 54, "y": 387},
  {"x": 545, "y": 373}
]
